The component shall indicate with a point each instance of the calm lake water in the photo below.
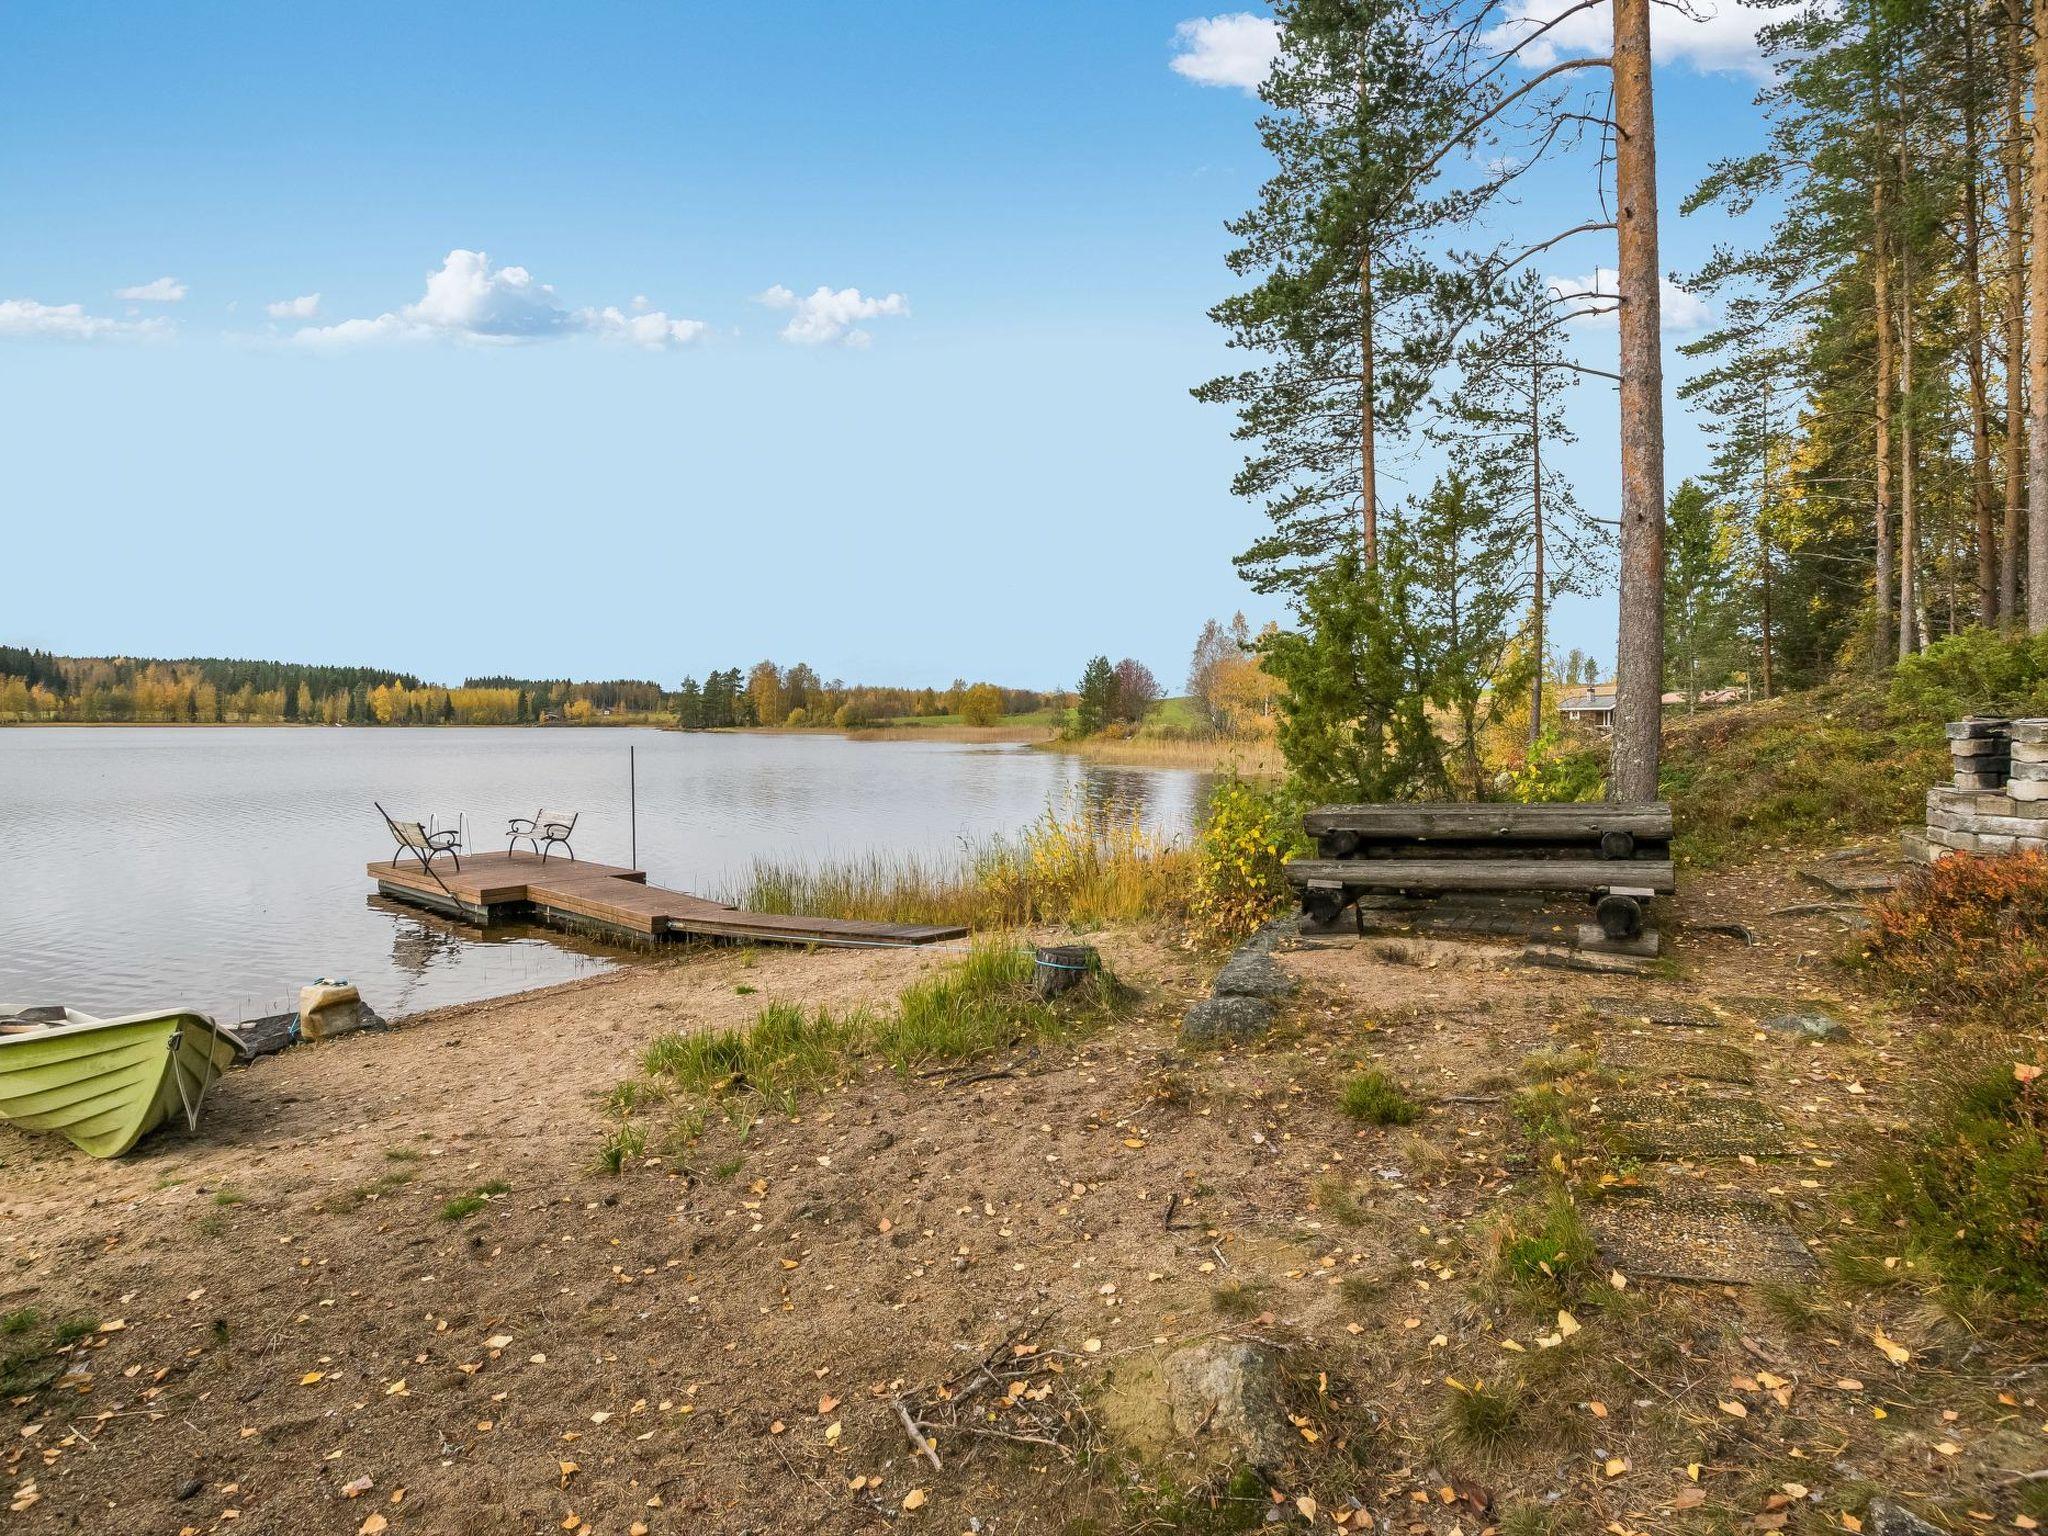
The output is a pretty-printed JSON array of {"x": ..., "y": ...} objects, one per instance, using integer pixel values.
[{"x": 221, "y": 868}]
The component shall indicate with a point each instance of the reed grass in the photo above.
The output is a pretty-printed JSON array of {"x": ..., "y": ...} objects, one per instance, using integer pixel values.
[
  {"x": 1248, "y": 757},
  {"x": 1084, "y": 869},
  {"x": 981, "y": 733}
]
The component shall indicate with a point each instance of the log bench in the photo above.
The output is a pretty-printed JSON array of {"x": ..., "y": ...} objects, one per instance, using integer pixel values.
[{"x": 1617, "y": 856}]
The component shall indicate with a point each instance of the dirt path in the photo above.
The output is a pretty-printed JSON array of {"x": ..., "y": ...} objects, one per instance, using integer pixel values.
[{"x": 287, "y": 1336}]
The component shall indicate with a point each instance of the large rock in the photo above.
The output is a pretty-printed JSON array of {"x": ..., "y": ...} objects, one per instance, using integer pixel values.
[
  {"x": 1889, "y": 1519},
  {"x": 1216, "y": 1019},
  {"x": 1225, "y": 1394},
  {"x": 1807, "y": 1025},
  {"x": 1253, "y": 973}
]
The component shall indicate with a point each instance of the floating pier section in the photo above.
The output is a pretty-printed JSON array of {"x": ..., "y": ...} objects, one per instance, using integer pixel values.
[{"x": 614, "y": 903}]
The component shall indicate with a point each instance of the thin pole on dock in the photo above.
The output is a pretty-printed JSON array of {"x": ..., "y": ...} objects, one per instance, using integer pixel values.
[{"x": 633, "y": 805}]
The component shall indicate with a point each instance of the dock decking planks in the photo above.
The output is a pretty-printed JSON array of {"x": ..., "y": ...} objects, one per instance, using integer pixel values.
[{"x": 493, "y": 886}]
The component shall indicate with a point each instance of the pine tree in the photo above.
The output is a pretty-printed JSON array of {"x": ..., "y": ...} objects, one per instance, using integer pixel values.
[
  {"x": 1698, "y": 621},
  {"x": 1354, "y": 719},
  {"x": 1354, "y": 305}
]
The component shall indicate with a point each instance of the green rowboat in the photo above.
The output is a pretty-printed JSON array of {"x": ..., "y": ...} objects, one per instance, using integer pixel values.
[{"x": 107, "y": 1083}]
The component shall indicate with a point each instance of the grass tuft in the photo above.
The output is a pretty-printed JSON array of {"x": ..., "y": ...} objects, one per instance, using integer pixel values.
[
  {"x": 1239, "y": 1299},
  {"x": 1547, "y": 1252},
  {"x": 1375, "y": 1098},
  {"x": 782, "y": 1053},
  {"x": 983, "y": 1002},
  {"x": 1485, "y": 1419},
  {"x": 464, "y": 1206},
  {"x": 626, "y": 1142}
]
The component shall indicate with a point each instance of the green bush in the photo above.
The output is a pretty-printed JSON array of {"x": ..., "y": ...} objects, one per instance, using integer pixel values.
[
  {"x": 1240, "y": 879},
  {"x": 1979, "y": 671},
  {"x": 1561, "y": 767}
]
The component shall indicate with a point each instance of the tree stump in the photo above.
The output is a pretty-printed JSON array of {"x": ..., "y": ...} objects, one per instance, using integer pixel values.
[{"x": 1062, "y": 967}]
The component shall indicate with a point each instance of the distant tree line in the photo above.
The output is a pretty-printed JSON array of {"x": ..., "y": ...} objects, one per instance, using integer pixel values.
[
  {"x": 766, "y": 694},
  {"x": 39, "y": 686},
  {"x": 201, "y": 690}
]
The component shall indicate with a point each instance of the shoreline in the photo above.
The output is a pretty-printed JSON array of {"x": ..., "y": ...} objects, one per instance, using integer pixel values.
[{"x": 1251, "y": 759}]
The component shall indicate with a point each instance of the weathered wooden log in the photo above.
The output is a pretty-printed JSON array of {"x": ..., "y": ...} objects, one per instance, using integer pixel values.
[
  {"x": 1496, "y": 821},
  {"x": 1619, "y": 916},
  {"x": 1652, "y": 875},
  {"x": 1369, "y": 848}
]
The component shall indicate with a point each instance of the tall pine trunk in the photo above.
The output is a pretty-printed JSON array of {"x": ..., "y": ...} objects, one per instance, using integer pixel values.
[
  {"x": 1881, "y": 313},
  {"x": 2037, "y": 342},
  {"x": 1910, "y": 626},
  {"x": 1973, "y": 287},
  {"x": 1536, "y": 520},
  {"x": 2015, "y": 313},
  {"x": 1639, "y": 651},
  {"x": 1763, "y": 529},
  {"x": 1368, "y": 488},
  {"x": 1909, "y": 533},
  {"x": 1887, "y": 368}
]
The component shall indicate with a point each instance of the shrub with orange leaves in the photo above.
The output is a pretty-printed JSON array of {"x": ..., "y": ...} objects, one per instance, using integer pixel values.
[{"x": 1968, "y": 938}]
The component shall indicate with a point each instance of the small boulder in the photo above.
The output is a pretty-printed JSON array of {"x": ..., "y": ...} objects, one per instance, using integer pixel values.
[
  {"x": 1889, "y": 1519},
  {"x": 1807, "y": 1025},
  {"x": 1226, "y": 1393},
  {"x": 1274, "y": 933},
  {"x": 1253, "y": 973},
  {"x": 1216, "y": 1019}
]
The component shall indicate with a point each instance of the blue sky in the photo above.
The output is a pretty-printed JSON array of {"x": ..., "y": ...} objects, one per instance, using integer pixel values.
[{"x": 853, "y": 335}]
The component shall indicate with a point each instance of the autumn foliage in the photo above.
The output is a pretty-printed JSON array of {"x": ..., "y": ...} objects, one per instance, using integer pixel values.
[{"x": 1968, "y": 938}]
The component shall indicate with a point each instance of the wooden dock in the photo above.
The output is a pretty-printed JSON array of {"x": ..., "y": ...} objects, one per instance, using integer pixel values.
[{"x": 614, "y": 903}]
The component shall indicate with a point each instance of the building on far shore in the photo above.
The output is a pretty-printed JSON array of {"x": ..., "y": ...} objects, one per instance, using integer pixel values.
[{"x": 1592, "y": 704}]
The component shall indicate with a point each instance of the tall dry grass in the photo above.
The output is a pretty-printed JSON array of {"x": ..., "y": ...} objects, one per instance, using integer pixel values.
[
  {"x": 1248, "y": 757},
  {"x": 983, "y": 733},
  {"x": 1082, "y": 869}
]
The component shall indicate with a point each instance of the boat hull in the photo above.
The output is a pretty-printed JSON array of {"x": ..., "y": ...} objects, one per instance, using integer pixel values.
[{"x": 107, "y": 1083}]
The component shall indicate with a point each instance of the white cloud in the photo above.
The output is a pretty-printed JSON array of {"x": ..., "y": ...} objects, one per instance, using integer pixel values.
[
  {"x": 469, "y": 300},
  {"x": 165, "y": 290},
  {"x": 1596, "y": 294},
  {"x": 648, "y": 328},
  {"x": 304, "y": 307},
  {"x": 1234, "y": 50},
  {"x": 829, "y": 315},
  {"x": 24, "y": 319},
  {"x": 1714, "y": 36}
]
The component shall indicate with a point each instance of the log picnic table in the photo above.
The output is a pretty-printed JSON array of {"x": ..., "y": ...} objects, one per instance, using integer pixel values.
[{"x": 1617, "y": 856}]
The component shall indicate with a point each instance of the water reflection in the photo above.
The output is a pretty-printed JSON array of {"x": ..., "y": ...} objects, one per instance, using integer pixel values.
[{"x": 224, "y": 867}]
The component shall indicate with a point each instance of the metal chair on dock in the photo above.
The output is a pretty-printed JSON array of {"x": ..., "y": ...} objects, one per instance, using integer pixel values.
[
  {"x": 420, "y": 843},
  {"x": 545, "y": 830}
]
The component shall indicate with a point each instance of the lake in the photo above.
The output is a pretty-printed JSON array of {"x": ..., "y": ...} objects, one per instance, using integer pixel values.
[{"x": 222, "y": 867}]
